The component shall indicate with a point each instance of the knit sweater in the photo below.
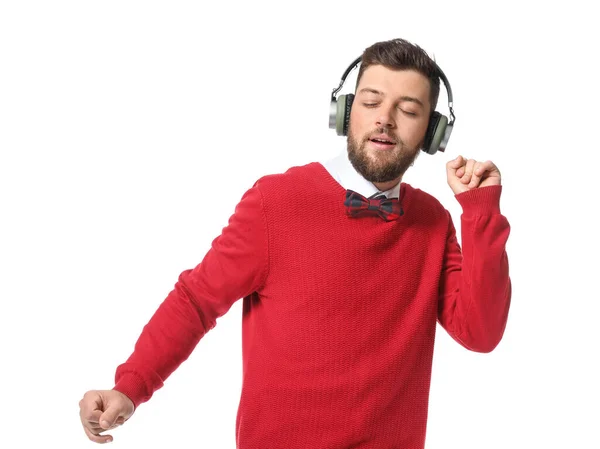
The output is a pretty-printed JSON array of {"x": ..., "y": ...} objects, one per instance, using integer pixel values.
[{"x": 339, "y": 313}]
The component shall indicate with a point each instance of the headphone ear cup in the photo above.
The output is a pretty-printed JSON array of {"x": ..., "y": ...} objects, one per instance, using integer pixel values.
[
  {"x": 436, "y": 129},
  {"x": 342, "y": 117}
]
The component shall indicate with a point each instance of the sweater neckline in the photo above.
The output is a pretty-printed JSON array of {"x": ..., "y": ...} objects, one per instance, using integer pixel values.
[{"x": 336, "y": 185}]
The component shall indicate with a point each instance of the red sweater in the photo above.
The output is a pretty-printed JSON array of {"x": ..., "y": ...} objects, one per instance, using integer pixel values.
[{"x": 339, "y": 313}]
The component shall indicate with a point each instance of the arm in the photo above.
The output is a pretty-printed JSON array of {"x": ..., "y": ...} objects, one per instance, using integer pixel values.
[
  {"x": 475, "y": 289},
  {"x": 235, "y": 266}
]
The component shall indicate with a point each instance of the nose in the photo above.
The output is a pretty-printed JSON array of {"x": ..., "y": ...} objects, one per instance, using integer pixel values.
[{"x": 385, "y": 118}]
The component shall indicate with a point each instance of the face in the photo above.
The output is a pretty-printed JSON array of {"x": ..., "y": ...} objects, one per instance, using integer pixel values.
[{"x": 388, "y": 122}]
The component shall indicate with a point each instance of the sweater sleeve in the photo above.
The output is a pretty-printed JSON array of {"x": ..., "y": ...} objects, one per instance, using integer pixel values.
[
  {"x": 475, "y": 288},
  {"x": 235, "y": 266}
]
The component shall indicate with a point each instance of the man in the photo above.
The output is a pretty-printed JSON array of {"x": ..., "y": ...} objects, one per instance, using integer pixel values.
[{"x": 341, "y": 293}]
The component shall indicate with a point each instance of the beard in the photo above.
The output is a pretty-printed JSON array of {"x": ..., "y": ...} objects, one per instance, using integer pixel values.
[{"x": 380, "y": 166}]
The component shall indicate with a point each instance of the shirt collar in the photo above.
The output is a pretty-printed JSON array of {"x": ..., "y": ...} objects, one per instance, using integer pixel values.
[{"x": 342, "y": 170}]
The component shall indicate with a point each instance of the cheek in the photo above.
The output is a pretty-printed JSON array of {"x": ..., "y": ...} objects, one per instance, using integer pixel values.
[
  {"x": 414, "y": 132},
  {"x": 357, "y": 124}
]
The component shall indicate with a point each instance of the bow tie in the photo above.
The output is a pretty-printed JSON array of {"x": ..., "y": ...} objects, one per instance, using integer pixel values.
[{"x": 359, "y": 206}]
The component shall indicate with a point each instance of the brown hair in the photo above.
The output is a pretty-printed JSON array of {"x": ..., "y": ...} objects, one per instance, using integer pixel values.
[{"x": 399, "y": 54}]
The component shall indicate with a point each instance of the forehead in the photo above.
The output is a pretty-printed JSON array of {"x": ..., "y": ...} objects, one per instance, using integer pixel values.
[{"x": 395, "y": 83}]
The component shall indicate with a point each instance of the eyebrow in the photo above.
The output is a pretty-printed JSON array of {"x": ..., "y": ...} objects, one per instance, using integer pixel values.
[{"x": 403, "y": 98}]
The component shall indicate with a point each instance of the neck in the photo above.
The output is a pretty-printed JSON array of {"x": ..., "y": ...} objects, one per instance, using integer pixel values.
[{"x": 383, "y": 186}]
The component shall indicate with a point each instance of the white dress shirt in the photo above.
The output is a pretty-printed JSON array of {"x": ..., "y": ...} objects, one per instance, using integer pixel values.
[{"x": 343, "y": 172}]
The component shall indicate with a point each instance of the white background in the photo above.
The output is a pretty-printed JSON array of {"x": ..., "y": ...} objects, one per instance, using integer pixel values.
[{"x": 120, "y": 121}]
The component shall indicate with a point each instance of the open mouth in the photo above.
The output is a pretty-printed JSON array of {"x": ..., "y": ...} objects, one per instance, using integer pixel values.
[{"x": 383, "y": 143}]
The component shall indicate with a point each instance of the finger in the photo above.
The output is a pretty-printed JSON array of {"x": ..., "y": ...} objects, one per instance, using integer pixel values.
[
  {"x": 92, "y": 417},
  {"x": 476, "y": 176},
  {"x": 90, "y": 423},
  {"x": 488, "y": 166},
  {"x": 90, "y": 402},
  {"x": 458, "y": 161},
  {"x": 97, "y": 438},
  {"x": 466, "y": 177},
  {"x": 110, "y": 417},
  {"x": 96, "y": 429},
  {"x": 452, "y": 166},
  {"x": 460, "y": 171},
  {"x": 94, "y": 424},
  {"x": 454, "y": 163}
]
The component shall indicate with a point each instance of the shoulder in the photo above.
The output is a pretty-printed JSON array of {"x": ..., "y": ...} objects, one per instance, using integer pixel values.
[
  {"x": 294, "y": 179},
  {"x": 296, "y": 172}
]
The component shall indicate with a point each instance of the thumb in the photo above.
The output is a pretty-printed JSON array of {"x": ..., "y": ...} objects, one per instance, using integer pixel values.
[{"x": 110, "y": 416}]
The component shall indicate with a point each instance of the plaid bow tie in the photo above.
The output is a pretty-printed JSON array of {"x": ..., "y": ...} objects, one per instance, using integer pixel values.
[{"x": 359, "y": 206}]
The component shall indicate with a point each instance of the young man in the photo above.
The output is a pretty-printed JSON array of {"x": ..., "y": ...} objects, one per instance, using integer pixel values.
[{"x": 341, "y": 293}]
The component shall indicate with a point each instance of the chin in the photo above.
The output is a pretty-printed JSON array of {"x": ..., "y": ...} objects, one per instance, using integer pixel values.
[
  {"x": 391, "y": 154},
  {"x": 380, "y": 165}
]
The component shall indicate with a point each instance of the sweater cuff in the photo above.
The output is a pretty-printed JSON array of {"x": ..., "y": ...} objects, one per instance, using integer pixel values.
[
  {"x": 480, "y": 201},
  {"x": 133, "y": 387}
]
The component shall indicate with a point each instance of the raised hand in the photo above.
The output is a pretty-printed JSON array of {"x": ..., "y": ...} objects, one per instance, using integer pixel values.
[{"x": 467, "y": 174}]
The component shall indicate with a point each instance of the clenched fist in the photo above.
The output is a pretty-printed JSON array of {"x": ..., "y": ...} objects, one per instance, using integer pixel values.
[
  {"x": 467, "y": 174},
  {"x": 102, "y": 410}
]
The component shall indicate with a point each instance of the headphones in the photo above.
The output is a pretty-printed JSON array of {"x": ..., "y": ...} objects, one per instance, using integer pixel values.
[{"x": 438, "y": 130}]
